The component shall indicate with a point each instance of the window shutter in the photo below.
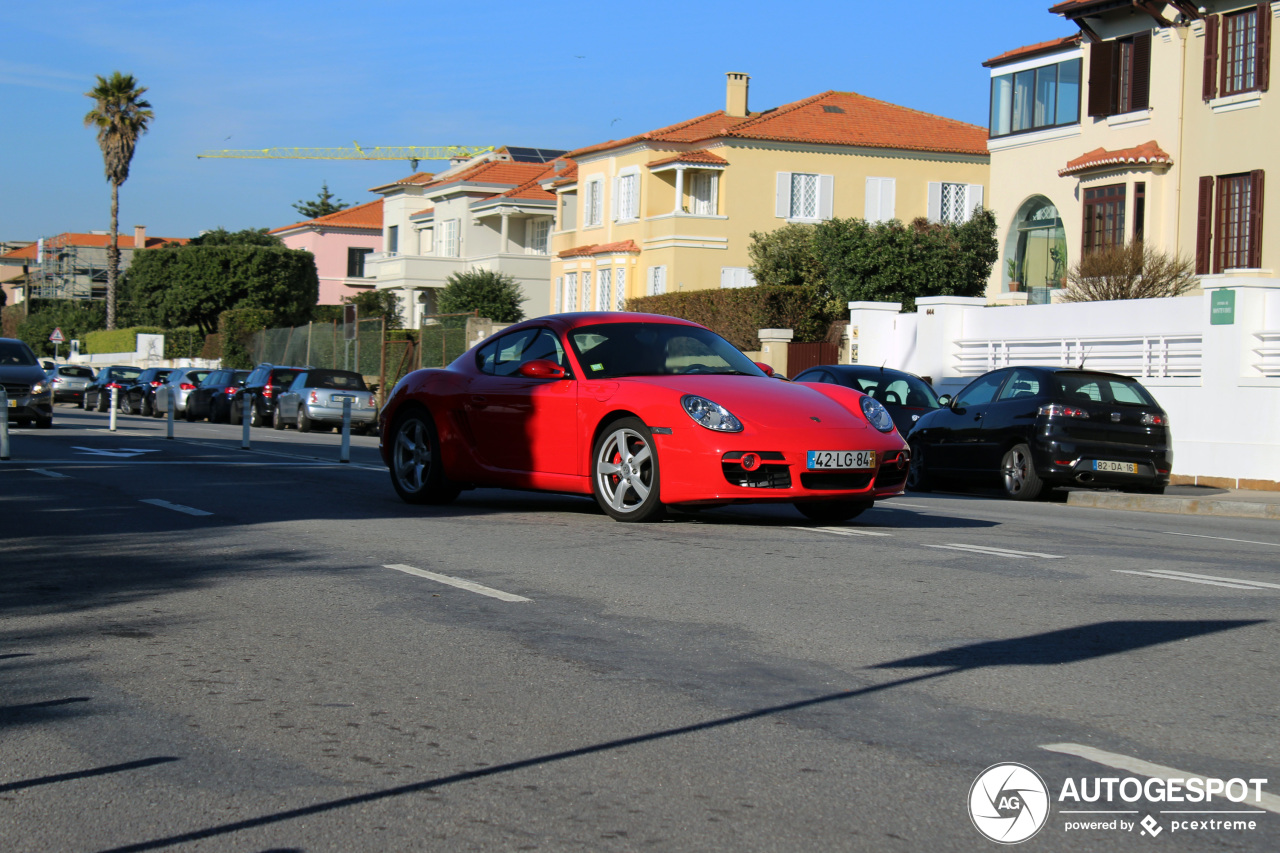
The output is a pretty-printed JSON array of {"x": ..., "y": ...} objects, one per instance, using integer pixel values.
[
  {"x": 782, "y": 202},
  {"x": 826, "y": 192},
  {"x": 972, "y": 200},
  {"x": 1141, "y": 86},
  {"x": 1255, "y": 219},
  {"x": 1210, "y": 81},
  {"x": 613, "y": 201},
  {"x": 871, "y": 211},
  {"x": 887, "y": 199},
  {"x": 715, "y": 194},
  {"x": 726, "y": 277},
  {"x": 1102, "y": 62},
  {"x": 1204, "y": 226},
  {"x": 1264, "y": 46},
  {"x": 559, "y": 294},
  {"x": 935, "y": 201}
]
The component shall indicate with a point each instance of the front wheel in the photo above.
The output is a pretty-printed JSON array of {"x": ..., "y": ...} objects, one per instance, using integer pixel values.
[
  {"x": 1018, "y": 474},
  {"x": 146, "y": 407},
  {"x": 625, "y": 475},
  {"x": 918, "y": 479},
  {"x": 417, "y": 471},
  {"x": 833, "y": 512}
]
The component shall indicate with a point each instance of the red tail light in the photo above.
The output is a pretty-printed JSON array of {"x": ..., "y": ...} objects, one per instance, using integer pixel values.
[
  {"x": 230, "y": 390},
  {"x": 155, "y": 383},
  {"x": 187, "y": 386},
  {"x": 114, "y": 385},
  {"x": 266, "y": 390},
  {"x": 314, "y": 397}
]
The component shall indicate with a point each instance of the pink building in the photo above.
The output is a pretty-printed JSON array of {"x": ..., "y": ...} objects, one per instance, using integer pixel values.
[{"x": 341, "y": 242}]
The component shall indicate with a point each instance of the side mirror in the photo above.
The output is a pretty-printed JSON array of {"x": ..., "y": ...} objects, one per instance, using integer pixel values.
[
  {"x": 768, "y": 371},
  {"x": 541, "y": 368},
  {"x": 945, "y": 400}
]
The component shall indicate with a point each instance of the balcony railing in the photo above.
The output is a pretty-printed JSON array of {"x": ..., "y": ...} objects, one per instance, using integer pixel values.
[{"x": 1142, "y": 356}]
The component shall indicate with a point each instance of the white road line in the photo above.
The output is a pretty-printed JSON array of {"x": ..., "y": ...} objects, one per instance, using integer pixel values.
[
  {"x": 1169, "y": 577},
  {"x": 843, "y": 531},
  {"x": 1270, "y": 802},
  {"x": 1217, "y": 578},
  {"x": 175, "y": 507},
  {"x": 459, "y": 583},
  {"x": 53, "y": 474},
  {"x": 997, "y": 552},
  {"x": 900, "y": 503},
  {"x": 1222, "y": 538}
]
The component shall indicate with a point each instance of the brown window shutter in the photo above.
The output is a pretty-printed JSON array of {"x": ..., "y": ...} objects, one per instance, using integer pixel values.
[
  {"x": 1255, "y": 219},
  {"x": 1204, "y": 227},
  {"x": 1102, "y": 84},
  {"x": 1264, "y": 46},
  {"x": 1141, "y": 87},
  {"x": 1211, "y": 57}
]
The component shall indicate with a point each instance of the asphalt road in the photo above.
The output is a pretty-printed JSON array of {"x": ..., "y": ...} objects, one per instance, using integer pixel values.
[{"x": 210, "y": 648}]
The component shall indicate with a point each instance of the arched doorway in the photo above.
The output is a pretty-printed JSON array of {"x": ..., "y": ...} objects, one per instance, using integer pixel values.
[{"x": 1036, "y": 251}]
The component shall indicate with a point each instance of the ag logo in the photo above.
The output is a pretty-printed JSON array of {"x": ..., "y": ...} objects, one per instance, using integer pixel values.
[{"x": 1008, "y": 803}]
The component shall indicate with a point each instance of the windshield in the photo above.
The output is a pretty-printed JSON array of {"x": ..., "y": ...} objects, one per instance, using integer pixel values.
[
  {"x": 897, "y": 389},
  {"x": 613, "y": 350},
  {"x": 16, "y": 353}
]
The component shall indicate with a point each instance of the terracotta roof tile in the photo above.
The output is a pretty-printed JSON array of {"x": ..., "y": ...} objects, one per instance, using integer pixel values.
[
  {"x": 417, "y": 179},
  {"x": 700, "y": 156},
  {"x": 502, "y": 172},
  {"x": 601, "y": 249},
  {"x": 1033, "y": 50},
  {"x": 90, "y": 241},
  {"x": 367, "y": 216},
  {"x": 1146, "y": 154}
]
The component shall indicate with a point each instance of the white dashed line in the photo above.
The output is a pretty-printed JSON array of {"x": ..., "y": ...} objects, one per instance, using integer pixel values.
[
  {"x": 1222, "y": 538},
  {"x": 175, "y": 507},
  {"x": 459, "y": 583},
  {"x": 1270, "y": 802},
  {"x": 842, "y": 531},
  {"x": 997, "y": 552},
  {"x": 1207, "y": 580},
  {"x": 53, "y": 474}
]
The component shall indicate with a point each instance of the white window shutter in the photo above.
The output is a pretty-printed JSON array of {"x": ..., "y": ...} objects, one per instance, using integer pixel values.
[
  {"x": 826, "y": 195},
  {"x": 782, "y": 203},
  {"x": 871, "y": 212},
  {"x": 972, "y": 200},
  {"x": 559, "y": 294},
  {"x": 935, "y": 201},
  {"x": 613, "y": 200},
  {"x": 726, "y": 277},
  {"x": 887, "y": 199},
  {"x": 715, "y": 193}
]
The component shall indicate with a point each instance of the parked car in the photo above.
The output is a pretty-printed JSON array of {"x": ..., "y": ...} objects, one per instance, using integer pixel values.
[
  {"x": 315, "y": 400},
  {"x": 265, "y": 383},
  {"x": 138, "y": 398},
  {"x": 97, "y": 394},
  {"x": 641, "y": 411},
  {"x": 905, "y": 395},
  {"x": 27, "y": 389},
  {"x": 69, "y": 382},
  {"x": 1040, "y": 427},
  {"x": 178, "y": 385},
  {"x": 209, "y": 399}
]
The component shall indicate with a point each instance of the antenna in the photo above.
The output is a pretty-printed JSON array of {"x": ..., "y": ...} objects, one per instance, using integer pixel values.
[{"x": 1083, "y": 356}]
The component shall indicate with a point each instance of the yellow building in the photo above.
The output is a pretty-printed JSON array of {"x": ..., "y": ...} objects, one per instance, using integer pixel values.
[
  {"x": 1152, "y": 123},
  {"x": 673, "y": 209}
]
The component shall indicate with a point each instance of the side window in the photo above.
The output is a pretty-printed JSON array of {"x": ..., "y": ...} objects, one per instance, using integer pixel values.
[
  {"x": 504, "y": 356},
  {"x": 981, "y": 390},
  {"x": 1023, "y": 383}
]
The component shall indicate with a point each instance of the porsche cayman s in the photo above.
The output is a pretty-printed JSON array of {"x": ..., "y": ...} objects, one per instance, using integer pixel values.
[{"x": 641, "y": 411}]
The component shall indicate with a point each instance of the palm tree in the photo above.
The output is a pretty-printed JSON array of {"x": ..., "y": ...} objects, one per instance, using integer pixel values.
[{"x": 121, "y": 116}]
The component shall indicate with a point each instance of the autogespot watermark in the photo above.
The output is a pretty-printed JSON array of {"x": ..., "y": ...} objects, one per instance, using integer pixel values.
[{"x": 1010, "y": 803}]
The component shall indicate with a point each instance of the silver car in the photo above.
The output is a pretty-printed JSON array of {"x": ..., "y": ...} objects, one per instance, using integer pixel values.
[
  {"x": 178, "y": 386},
  {"x": 315, "y": 400},
  {"x": 69, "y": 381}
]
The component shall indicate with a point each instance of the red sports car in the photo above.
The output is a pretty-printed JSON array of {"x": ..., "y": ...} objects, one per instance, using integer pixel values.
[{"x": 643, "y": 412}]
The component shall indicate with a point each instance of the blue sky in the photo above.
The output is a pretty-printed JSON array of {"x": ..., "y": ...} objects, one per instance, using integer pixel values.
[{"x": 255, "y": 75}]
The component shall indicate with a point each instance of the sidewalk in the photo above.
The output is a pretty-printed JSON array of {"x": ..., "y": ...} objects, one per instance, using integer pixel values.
[{"x": 1187, "y": 500}]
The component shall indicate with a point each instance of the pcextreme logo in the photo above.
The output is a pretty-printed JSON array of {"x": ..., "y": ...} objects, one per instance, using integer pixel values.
[{"x": 1009, "y": 803}]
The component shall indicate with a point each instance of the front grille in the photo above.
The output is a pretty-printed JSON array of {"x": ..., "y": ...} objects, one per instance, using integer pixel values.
[
  {"x": 891, "y": 475},
  {"x": 767, "y": 476},
  {"x": 832, "y": 481},
  {"x": 18, "y": 389}
]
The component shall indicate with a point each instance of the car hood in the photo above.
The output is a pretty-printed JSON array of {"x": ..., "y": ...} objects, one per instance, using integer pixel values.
[
  {"x": 29, "y": 373},
  {"x": 763, "y": 402}
]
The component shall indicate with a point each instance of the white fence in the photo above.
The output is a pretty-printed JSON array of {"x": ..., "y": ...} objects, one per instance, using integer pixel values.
[{"x": 1215, "y": 369}]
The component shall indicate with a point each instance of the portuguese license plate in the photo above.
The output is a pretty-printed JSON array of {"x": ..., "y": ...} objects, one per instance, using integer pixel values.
[
  {"x": 13, "y": 402},
  {"x": 1115, "y": 467},
  {"x": 823, "y": 460},
  {"x": 338, "y": 398}
]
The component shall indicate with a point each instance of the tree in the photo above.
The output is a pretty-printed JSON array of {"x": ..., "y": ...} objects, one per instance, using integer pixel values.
[
  {"x": 1132, "y": 271},
  {"x": 121, "y": 117},
  {"x": 371, "y": 304},
  {"x": 323, "y": 205},
  {"x": 785, "y": 256},
  {"x": 494, "y": 295},
  {"x": 247, "y": 237}
]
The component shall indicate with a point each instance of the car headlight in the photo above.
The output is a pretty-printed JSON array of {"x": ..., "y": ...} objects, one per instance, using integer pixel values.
[
  {"x": 876, "y": 414},
  {"x": 39, "y": 388},
  {"x": 710, "y": 415}
]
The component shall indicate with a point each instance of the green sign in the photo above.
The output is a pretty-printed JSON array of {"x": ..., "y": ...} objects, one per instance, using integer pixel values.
[{"x": 1222, "y": 308}]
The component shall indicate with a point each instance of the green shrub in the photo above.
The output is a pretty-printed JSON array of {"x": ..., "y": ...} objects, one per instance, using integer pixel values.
[
  {"x": 738, "y": 314},
  {"x": 236, "y": 329}
]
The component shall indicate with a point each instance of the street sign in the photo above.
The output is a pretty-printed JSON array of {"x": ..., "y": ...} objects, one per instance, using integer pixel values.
[
  {"x": 56, "y": 337},
  {"x": 1222, "y": 308}
]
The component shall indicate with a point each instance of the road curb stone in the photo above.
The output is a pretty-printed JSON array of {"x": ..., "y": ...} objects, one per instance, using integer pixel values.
[{"x": 1175, "y": 505}]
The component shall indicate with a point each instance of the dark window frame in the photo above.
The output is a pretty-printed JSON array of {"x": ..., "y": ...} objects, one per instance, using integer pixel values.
[
  {"x": 1103, "y": 218},
  {"x": 1036, "y": 79},
  {"x": 355, "y": 261},
  {"x": 1229, "y": 226},
  {"x": 1120, "y": 76},
  {"x": 1219, "y": 53}
]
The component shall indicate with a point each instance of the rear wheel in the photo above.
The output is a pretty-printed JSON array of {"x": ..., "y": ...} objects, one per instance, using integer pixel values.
[
  {"x": 1018, "y": 474},
  {"x": 234, "y": 417},
  {"x": 304, "y": 422},
  {"x": 918, "y": 479},
  {"x": 625, "y": 475},
  {"x": 256, "y": 418},
  {"x": 832, "y": 512},
  {"x": 417, "y": 472},
  {"x": 146, "y": 407},
  {"x": 278, "y": 421}
]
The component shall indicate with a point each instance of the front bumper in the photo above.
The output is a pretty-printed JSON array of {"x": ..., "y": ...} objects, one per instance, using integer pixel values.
[{"x": 30, "y": 407}]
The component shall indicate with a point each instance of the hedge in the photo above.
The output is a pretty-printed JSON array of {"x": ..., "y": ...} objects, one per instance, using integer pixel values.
[
  {"x": 738, "y": 314},
  {"x": 235, "y": 330}
]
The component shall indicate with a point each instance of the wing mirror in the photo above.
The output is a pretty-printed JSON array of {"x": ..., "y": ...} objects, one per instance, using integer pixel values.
[
  {"x": 768, "y": 370},
  {"x": 945, "y": 400},
  {"x": 541, "y": 368}
]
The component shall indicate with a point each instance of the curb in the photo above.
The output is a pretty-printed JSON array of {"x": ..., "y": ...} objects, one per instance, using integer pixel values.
[{"x": 1175, "y": 505}]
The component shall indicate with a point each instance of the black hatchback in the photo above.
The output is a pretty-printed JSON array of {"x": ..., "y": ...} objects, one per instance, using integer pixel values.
[{"x": 1039, "y": 427}]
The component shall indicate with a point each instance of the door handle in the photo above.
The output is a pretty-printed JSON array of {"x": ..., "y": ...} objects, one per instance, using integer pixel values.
[{"x": 478, "y": 401}]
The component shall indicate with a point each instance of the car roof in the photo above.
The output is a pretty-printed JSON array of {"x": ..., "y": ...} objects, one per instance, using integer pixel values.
[
  {"x": 861, "y": 370},
  {"x": 576, "y": 320}
]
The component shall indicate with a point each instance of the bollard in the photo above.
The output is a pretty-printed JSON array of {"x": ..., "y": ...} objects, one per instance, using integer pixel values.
[
  {"x": 4, "y": 426},
  {"x": 169, "y": 415},
  {"x": 345, "y": 455},
  {"x": 115, "y": 402},
  {"x": 246, "y": 406}
]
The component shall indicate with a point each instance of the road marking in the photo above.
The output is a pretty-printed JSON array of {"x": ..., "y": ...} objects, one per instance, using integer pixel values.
[
  {"x": 1222, "y": 538},
  {"x": 900, "y": 503},
  {"x": 119, "y": 452},
  {"x": 175, "y": 507},
  {"x": 843, "y": 531},
  {"x": 53, "y": 474},
  {"x": 1270, "y": 802},
  {"x": 997, "y": 552},
  {"x": 459, "y": 583},
  {"x": 1207, "y": 580}
]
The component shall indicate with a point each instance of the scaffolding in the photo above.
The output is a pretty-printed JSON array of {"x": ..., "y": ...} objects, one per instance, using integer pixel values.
[{"x": 68, "y": 271}]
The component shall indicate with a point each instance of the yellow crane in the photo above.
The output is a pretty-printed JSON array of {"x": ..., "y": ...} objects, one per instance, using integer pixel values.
[{"x": 412, "y": 153}]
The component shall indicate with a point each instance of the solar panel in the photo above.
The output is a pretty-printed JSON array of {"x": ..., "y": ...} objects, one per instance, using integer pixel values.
[{"x": 534, "y": 155}]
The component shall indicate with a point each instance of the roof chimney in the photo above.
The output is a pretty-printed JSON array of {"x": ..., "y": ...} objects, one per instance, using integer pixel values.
[
  {"x": 735, "y": 101},
  {"x": 139, "y": 236}
]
